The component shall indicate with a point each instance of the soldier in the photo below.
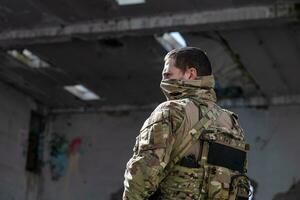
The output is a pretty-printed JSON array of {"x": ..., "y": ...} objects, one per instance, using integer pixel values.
[{"x": 189, "y": 148}]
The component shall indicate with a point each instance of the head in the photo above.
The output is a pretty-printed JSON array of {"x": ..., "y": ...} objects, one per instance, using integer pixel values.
[{"x": 186, "y": 64}]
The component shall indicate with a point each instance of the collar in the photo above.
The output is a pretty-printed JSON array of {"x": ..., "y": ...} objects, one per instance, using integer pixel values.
[{"x": 202, "y": 88}]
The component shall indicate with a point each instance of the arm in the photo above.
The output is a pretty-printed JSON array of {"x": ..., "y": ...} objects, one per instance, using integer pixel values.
[{"x": 152, "y": 152}]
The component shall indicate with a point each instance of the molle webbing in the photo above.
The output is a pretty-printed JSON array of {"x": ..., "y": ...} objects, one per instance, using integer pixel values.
[{"x": 194, "y": 134}]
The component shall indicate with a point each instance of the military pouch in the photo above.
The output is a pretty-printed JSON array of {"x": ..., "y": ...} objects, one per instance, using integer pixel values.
[
  {"x": 182, "y": 182},
  {"x": 240, "y": 188},
  {"x": 223, "y": 168},
  {"x": 223, "y": 185},
  {"x": 218, "y": 184}
]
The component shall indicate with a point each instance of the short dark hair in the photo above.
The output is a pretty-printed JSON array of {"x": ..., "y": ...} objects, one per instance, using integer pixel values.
[{"x": 188, "y": 57}]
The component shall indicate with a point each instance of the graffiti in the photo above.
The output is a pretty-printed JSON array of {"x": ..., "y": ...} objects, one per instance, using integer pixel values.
[
  {"x": 74, "y": 145},
  {"x": 64, "y": 154},
  {"x": 58, "y": 156}
]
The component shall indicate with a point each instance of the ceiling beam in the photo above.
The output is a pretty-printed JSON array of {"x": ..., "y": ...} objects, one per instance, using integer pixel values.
[
  {"x": 252, "y": 102},
  {"x": 228, "y": 18},
  {"x": 260, "y": 101}
]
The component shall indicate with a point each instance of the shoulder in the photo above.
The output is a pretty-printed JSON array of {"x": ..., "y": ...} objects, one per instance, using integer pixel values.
[
  {"x": 176, "y": 110},
  {"x": 168, "y": 111},
  {"x": 179, "y": 105}
]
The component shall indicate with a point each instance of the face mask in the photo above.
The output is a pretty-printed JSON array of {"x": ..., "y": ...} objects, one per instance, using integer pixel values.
[{"x": 176, "y": 89}]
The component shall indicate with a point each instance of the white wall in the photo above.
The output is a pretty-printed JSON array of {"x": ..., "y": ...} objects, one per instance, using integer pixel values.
[
  {"x": 97, "y": 170},
  {"x": 14, "y": 123},
  {"x": 274, "y": 137}
]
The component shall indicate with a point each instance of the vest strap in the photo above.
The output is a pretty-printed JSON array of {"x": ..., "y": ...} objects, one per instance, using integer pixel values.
[{"x": 194, "y": 134}]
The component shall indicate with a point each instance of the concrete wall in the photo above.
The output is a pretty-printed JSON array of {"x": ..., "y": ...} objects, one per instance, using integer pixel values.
[
  {"x": 96, "y": 169},
  {"x": 14, "y": 123},
  {"x": 274, "y": 157}
]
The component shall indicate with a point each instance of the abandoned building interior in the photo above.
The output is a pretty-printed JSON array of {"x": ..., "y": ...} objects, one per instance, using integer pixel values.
[{"x": 78, "y": 79}]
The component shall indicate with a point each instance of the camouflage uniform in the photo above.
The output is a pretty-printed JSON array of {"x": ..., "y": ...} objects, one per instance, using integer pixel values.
[{"x": 161, "y": 136}]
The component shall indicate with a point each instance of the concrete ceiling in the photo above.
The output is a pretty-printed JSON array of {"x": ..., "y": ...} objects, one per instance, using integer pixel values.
[
  {"x": 17, "y": 14},
  {"x": 125, "y": 68},
  {"x": 128, "y": 73},
  {"x": 272, "y": 56}
]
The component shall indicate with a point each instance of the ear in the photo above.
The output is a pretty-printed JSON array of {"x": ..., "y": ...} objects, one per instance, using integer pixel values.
[{"x": 193, "y": 73}]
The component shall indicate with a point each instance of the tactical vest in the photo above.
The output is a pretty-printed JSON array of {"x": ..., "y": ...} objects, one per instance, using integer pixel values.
[{"x": 220, "y": 171}]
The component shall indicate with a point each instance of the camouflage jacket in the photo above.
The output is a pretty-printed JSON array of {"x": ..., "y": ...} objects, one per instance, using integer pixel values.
[{"x": 162, "y": 132}]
